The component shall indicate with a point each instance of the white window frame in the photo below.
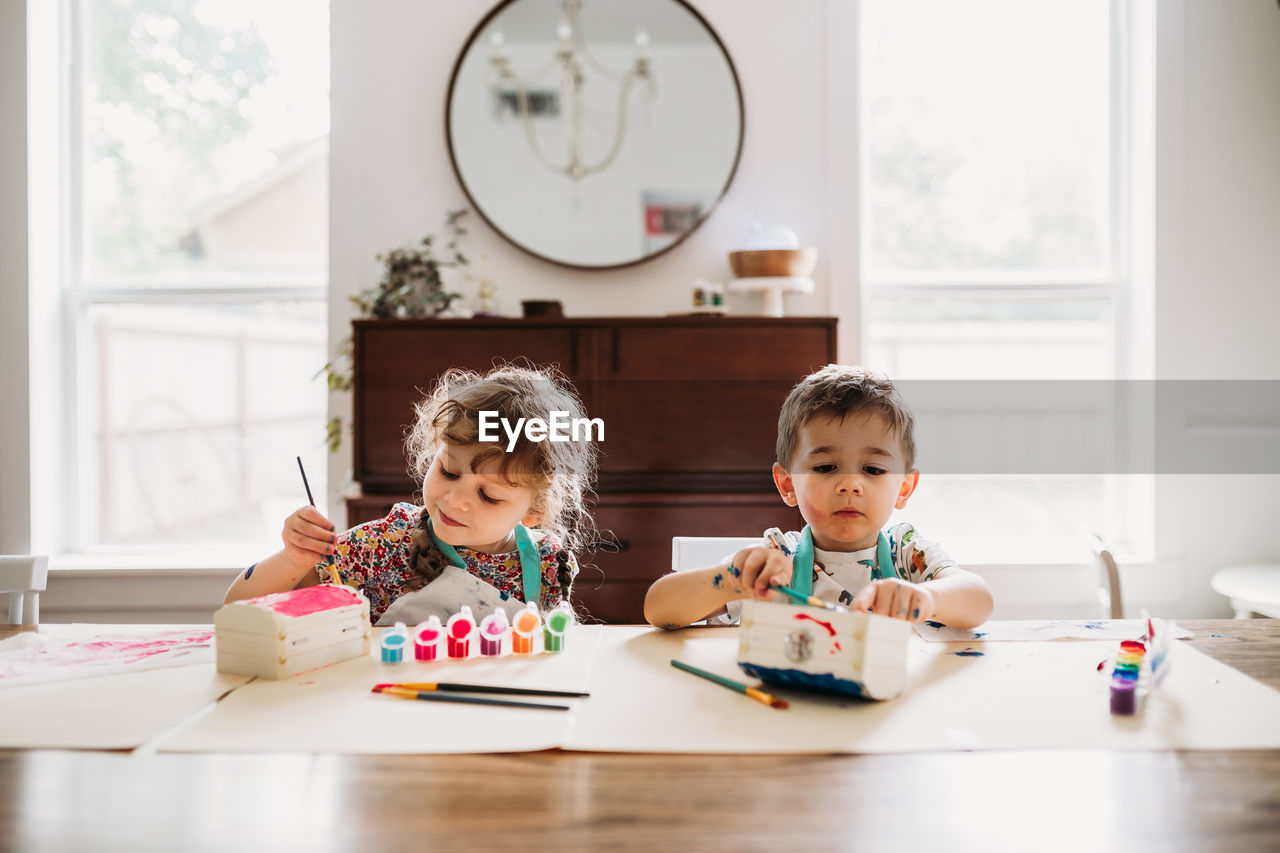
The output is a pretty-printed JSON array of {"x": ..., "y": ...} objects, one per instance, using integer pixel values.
[
  {"x": 1128, "y": 287},
  {"x": 60, "y": 362}
]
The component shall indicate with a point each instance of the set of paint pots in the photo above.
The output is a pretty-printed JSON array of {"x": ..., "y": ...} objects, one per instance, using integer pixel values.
[
  {"x": 494, "y": 636},
  {"x": 1125, "y": 676}
]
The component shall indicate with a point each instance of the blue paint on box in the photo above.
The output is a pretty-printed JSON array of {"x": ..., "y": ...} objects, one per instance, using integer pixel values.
[{"x": 794, "y": 678}]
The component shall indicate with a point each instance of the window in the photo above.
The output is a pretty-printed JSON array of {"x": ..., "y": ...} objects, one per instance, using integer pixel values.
[
  {"x": 996, "y": 242},
  {"x": 195, "y": 269}
]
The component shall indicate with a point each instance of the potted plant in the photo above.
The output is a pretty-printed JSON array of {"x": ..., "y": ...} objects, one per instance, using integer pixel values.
[{"x": 411, "y": 286}]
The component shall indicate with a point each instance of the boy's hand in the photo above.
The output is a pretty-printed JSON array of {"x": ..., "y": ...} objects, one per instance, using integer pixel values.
[
  {"x": 896, "y": 599},
  {"x": 762, "y": 568},
  {"x": 308, "y": 537}
]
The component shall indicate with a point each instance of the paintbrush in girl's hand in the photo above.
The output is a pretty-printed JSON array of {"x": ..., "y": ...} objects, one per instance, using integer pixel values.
[
  {"x": 430, "y": 696},
  {"x": 333, "y": 572},
  {"x": 453, "y": 686},
  {"x": 754, "y": 692}
]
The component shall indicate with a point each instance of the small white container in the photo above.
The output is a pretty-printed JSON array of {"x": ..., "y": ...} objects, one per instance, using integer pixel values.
[
  {"x": 285, "y": 633},
  {"x": 855, "y": 654}
]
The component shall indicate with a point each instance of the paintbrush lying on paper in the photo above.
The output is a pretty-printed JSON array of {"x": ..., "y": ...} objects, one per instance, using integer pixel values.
[
  {"x": 754, "y": 692},
  {"x": 455, "y": 687},
  {"x": 431, "y": 696},
  {"x": 811, "y": 600}
]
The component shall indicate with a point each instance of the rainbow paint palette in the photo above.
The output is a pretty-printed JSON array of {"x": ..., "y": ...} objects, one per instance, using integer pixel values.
[
  {"x": 813, "y": 648},
  {"x": 285, "y": 633},
  {"x": 1139, "y": 667}
]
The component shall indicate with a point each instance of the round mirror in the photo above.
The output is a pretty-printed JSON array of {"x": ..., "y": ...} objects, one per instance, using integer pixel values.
[{"x": 594, "y": 133}]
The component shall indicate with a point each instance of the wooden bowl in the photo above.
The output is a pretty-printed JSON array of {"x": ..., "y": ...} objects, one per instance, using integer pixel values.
[{"x": 773, "y": 262}]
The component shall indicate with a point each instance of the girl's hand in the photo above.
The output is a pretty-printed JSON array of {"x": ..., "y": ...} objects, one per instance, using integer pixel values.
[
  {"x": 762, "y": 568},
  {"x": 896, "y": 599},
  {"x": 308, "y": 537}
]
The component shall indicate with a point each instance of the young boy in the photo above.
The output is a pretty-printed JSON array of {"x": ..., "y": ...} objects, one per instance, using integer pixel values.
[{"x": 846, "y": 457}]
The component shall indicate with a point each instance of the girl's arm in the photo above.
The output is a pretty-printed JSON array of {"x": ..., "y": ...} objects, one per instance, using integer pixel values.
[{"x": 308, "y": 538}]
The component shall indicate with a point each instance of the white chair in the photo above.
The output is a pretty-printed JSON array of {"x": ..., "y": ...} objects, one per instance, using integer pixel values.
[
  {"x": 24, "y": 578},
  {"x": 699, "y": 552},
  {"x": 1108, "y": 579}
]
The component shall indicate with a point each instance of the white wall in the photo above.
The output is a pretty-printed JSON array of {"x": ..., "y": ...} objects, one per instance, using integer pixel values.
[{"x": 1218, "y": 208}]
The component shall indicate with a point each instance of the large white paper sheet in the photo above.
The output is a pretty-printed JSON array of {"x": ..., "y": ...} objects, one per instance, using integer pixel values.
[
  {"x": 1029, "y": 695},
  {"x": 1053, "y": 629},
  {"x": 332, "y": 709},
  {"x": 112, "y": 712},
  {"x": 66, "y": 652}
]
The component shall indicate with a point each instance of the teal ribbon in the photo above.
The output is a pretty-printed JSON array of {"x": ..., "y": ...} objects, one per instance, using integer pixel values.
[
  {"x": 530, "y": 561},
  {"x": 802, "y": 573}
]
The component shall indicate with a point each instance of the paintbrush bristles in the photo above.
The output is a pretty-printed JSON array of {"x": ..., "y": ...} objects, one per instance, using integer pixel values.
[{"x": 760, "y": 696}]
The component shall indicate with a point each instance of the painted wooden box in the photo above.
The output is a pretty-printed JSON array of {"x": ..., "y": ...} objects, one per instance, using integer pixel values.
[
  {"x": 285, "y": 633},
  {"x": 855, "y": 654}
]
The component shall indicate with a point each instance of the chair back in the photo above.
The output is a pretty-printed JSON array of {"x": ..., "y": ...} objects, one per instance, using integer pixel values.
[
  {"x": 1109, "y": 594},
  {"x": 699, "y": 552},
  {"x": 24, "y": 578}
]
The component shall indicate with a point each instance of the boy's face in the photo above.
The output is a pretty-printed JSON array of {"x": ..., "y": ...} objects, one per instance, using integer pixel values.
[
  {"x": 476, "y": 510},
  {"x": 847, "y": 476}
]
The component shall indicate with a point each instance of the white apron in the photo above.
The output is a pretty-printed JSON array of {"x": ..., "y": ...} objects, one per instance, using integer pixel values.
[{"x": 455, "y": 587}]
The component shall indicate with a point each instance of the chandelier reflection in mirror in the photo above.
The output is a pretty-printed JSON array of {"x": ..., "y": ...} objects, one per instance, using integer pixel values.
[
  {"x": 571, "y": 57},
  {"x": 594, "y": 133}
]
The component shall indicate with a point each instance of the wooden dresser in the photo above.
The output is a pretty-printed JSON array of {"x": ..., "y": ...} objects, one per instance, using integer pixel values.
[{"x": 690, "y": 407}]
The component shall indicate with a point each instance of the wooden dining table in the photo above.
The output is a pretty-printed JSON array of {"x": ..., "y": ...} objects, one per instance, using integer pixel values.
[{"x": 555, "y": 800}]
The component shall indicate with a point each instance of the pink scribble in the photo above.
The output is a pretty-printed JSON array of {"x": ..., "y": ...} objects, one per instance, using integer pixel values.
[
  {"x": 310, "y": 599},
  {"x": 830, "y": 630},
  {"x": 123, "y": 651}
]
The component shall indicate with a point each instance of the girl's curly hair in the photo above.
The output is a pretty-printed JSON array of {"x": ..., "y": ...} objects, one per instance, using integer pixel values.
[{"x": 561, "y": 473}]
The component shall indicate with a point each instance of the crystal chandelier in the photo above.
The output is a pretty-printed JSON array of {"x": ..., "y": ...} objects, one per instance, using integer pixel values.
[{"x": 571, "y": 58}]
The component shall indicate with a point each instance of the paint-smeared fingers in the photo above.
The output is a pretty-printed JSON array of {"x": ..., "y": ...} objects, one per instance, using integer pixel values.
[
  {"x": 306, "y": 536},
  {"x": 776, "y": 572},
  {"x": 886, "y": 592},
  {"x": 865, "y": 599},
  {"x": 749, "y": 562},
  {"x": 903, "y": 601},
  {"x": 312, "y": 515}
]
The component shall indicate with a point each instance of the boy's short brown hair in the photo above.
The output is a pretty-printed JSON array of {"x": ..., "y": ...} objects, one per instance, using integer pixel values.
[{"x": 841, "y": 390}]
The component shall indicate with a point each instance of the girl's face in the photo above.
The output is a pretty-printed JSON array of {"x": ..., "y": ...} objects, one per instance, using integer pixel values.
[{"x": 474, "y": 509}]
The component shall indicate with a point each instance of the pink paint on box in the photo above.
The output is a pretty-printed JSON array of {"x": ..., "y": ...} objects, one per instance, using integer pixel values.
[{"x": 308, "y": 600}]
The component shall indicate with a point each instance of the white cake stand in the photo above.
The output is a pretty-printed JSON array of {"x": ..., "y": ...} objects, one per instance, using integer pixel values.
[{"x": 771, "y": 288}]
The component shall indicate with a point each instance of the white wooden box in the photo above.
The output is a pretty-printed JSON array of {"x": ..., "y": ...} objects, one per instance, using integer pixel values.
[
  {"x": 856, "y": 654},
  {"x": 285, "y": 633}
]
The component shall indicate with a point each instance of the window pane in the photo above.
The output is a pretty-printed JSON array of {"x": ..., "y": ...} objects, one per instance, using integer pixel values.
[
  {"x": 986, "y": 138},
  {"x": 204, "y": 140},
  {"x": 1008, "y": 519},
  {"x": 989, "y": 337},
  {"x": 194, "y": 416}
]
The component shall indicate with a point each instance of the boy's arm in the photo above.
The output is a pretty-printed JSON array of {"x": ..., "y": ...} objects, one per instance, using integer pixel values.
[
  {"x": 682, "y": 598},
  {"x": 961, "y": 599}
]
